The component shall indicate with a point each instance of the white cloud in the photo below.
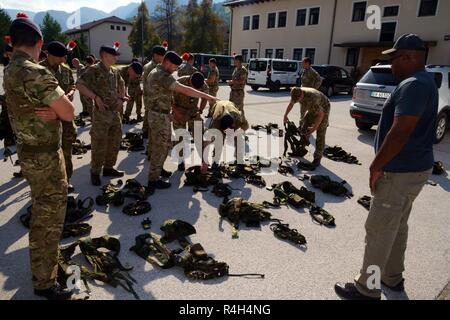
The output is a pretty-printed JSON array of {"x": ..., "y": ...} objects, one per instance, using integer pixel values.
[{"x": 64, "y": 5}]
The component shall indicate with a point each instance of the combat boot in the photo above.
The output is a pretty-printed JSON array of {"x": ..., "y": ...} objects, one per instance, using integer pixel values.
[
  {"x": 111, "y": 172},
  {"x": 95, "y": 179},
  {"x": 181, "y": 166},
  {"x": 70, "y": 188},
  {"x": 54, "y": 293},
  {"x": 125, "y": 120},
  {"x": 165, "y": 174},
  {"x": 159, "y": 184},
  {"x": 140, "y": 118}
]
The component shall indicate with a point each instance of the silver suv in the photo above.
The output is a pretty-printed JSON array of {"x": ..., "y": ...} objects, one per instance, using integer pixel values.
[{"x": 377, "y": 85}]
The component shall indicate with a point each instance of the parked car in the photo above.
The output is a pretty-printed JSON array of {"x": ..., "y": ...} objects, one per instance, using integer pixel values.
[
  {"x": 334, "y": 80},
  {"x": 225, "y": 64},
  {"x": 273, "y": 73},
  {"x": 378, "y": 83}
]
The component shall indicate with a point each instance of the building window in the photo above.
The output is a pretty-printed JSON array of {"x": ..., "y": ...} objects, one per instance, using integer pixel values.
[
  {"x": 255, "y": 22},
  {"x": 124, "y": 28},
  {"x": 352, "y": 57},
  {"x": 359, "y": 11},
  {"x": 271, "y": 20},
  {"x": 269, "y": 53},
  {"x": 391, "y": 11},
  {"x": 244, "y": 55},
  {"x": 282, "y": 18},
  {"x": 298, "y": 54},
  {"x": 118, "y": 28},
  {"x": 310, "y": 53},
  {"x": 314, "y": 14},
  {"x": 428, "y": 8},
  {"x": 279, "y": 53},
  {"x": 253, "y": 53},
  {"x": 247, "y": 23},
  {"x": 387, "y": 33},
  {"x": 112, "y": 27},
  {"x": 301, "y": 17}
]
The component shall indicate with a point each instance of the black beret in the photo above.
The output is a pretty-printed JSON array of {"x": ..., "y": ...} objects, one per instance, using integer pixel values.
[
  {"x": 159, "y": 50},
  {"x": 24, "y": 22},
  {"x": 197, "y": 80},
  {"x": 57, "y": 49},
  {"x": 226, "y": 122},
  {"x": 137, "y": 67},
  {"x": 110, "y": 50},
  {"x": 173, "y": 57}
]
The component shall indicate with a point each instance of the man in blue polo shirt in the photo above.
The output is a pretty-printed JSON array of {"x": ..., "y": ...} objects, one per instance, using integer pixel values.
[{"x": 402, "y": 165}]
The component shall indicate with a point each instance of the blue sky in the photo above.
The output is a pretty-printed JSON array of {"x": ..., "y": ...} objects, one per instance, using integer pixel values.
[{"x": 64, "y": 5}]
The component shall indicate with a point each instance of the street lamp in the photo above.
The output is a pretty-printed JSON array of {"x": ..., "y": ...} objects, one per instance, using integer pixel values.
[{"x": 259, "y": 48}]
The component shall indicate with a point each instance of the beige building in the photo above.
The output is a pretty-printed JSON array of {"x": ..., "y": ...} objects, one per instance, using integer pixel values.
[
  {"x": 105, "y": 32},
  {"x": 336, "y": 31}
]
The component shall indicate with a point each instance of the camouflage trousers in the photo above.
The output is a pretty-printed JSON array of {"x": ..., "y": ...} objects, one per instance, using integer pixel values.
[
  {"x": 159, "y": 133},
  {"x": 237, "y": 97},
  {"x": 320, "y": 135},
  {"x": 136, "y": 97},
  {"x": 69, "y": 135},
  {"x": 106, "y": 134},
  {"x": 177, "y": 124},
  {"x": 46, "y": 175},
  {"x": 87, "y": 104}
]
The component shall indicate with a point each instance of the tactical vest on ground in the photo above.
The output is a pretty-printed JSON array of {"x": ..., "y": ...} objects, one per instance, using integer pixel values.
[
  {"x": 327, "y": 185},
  {"x": 294, "y": 139},
  {"x": 340, "y": 155}
]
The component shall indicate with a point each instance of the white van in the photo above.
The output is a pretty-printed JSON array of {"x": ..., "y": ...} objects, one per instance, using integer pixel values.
[{"x": 273, "y": 73}]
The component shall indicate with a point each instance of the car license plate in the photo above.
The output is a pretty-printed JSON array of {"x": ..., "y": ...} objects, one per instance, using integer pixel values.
[{"x": 380, "y": 95}]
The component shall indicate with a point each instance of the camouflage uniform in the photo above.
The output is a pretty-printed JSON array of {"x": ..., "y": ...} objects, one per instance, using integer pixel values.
[
  {"x": 28, "y": 86},
  {"x": 237, "y": 90},
  {"x": 311, "y": 78},
  {"x": 223, "y": 107},
  {"x": 87, "y": 103},
  {"x": 161, "y": 85},
  {"x": 147, "y": 69},
  {"x": 134, "y": 91},
  {"x": 313, "y": 102},
  {"x": 106, "y": 130},
  {"x": 187, "y": 70},
  {"x": 213, "y": 88},
  {"x": 188, "y": 105},
  {"x": 69, "y": 132}
]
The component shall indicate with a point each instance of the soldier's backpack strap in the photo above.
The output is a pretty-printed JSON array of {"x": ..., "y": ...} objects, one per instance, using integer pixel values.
[
  {"x": 283, "y": 232},
  {"x": 150, "y": 248},
  {"x": 321, "y": 216}
]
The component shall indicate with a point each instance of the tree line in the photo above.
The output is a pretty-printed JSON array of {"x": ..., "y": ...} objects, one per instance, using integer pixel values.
[{"x": 192, "y": 28}]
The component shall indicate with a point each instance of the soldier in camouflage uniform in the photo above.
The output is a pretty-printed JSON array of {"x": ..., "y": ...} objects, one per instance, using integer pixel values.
[
  {"x": 57, "y": 55},
  {"x": 6, "y": 131},
  {"x": 131, "y": 74},
  {"x": 187, "y": 68},
  {"x": 237, "y": 83},
  {"x": 315, "y": 118},
  {"x": 226, "y": 115},
  {"x": 161, "y": 86},
  {"x": 103, "y": 84},
  {"x": 310, "y": 78},
  {"x": 36, "y": 103},
  {"x": 185, "y": 109},
  {"x": 87, "y": 103},
  {"x": 213, "y": 78},
  {"x": 158, "y": 53}
]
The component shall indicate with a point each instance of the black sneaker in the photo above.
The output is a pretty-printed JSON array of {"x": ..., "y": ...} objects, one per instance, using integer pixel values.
[
  {"x": 348, "y": 291},
  {"x": 70, "y": 188},
  {"x": 400, "y": 287},
  {"x": 165, "y": 174},
  {"x": 111, "y": 172},
  {"x": 54, "y": 293},
  {"x": 158, "y": 185},
  {"x": 181, "y": 167}
]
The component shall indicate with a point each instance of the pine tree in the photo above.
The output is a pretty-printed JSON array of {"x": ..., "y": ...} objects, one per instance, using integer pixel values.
[
  {"x": 210, "y": 37},
  {"x": 167, "y": 15},
  {"x": 190, "y": 25},
  {"x": 51, "y": 30},
  {"x": 149, "y": 35},
  {"x": 5, "y": 23}
]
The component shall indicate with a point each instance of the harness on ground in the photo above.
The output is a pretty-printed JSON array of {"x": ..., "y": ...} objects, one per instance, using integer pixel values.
[
  {"x": 438, "y": 168},
  {"x": 365, "y": 201},
  {"x": 295, "y": 140},
  {"x": 137, "y": 208},
  {"x": 287, "y": 193},
  {"x": 268, "y": 127},
  {"x": 194, "y": 177},
  {"x": 327, "y": 185},
  {"x": 306, "y": 166},
  {"x": 133, "y": 142},
  {"x": 111, "y": 195},
  {"x": 340, "y": 155},
  {"x": 282, "y": 231},
  {"x": 322, "y": 216},
  {"x": 80, "y": 148}
]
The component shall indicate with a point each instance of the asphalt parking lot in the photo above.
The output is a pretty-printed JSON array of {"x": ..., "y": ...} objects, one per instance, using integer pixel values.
[{"x": 290, "y": 273}]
